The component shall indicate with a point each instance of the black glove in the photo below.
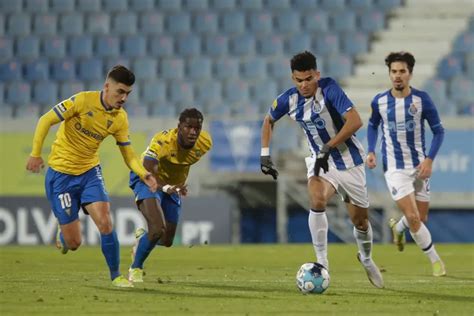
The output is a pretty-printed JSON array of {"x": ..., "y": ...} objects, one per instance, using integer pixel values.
[
  {"x": 266, "y": 165},
  {"x": 322, "y": 160}
]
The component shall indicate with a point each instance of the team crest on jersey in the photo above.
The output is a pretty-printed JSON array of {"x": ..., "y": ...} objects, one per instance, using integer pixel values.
[
  {"x": 316, "y": 106},
  {"x": 109, "y": 122},
  {"x": 413, "y": 109}
]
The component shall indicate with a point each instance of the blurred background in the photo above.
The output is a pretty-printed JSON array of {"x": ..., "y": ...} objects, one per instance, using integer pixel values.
[{"x": 230, "y": 59}]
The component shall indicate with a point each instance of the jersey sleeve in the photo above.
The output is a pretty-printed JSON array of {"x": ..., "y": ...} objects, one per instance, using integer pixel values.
[
  {"x": 157, "y": 147},
  {"x": 372, "y": 128},
  {"x": 69, "y": 107},
  {"x": 280, "y": 107},
  {"x": 206, "y": 142},
  {"x": 122, "y": 134},
  {"x": 338, "y": 99},
  {"x": 430, "y": 113}
]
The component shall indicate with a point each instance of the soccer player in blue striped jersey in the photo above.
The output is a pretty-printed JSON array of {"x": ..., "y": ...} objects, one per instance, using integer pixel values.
[
  {"x": 329, "y": 120},
  {"x": 401, "y": 113}
]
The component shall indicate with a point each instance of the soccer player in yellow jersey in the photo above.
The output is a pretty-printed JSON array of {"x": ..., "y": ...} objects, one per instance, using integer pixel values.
[
  {"x": 169, "y": 157},
  {"x": 74, "y": 177}
]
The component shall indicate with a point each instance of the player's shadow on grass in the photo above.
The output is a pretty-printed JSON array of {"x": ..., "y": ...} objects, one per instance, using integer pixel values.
[
  {"x": 226, "y": 287},
  {"x": 458, "y": 278},
  {"x": 432, "y": 296}
]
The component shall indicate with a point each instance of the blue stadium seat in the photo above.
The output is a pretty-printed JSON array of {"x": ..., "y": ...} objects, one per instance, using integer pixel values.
[
  {"x": 171, "y": 68},
  {"x": 36, "y": 70},
  {"x": 279, "y": 68},
  {"x": 449, "y": 67},
  {"x": 371, "y": 21},
  {"x": 36, "y": 6},
  {"x": 10, "y": 71},
  {"x": 189, "y": 45},
  {"x": 236, "y": 91},
  {"x": 251, "y": 5},
  {"x": 163, "y": 109},
  {"x": 270, "y": 45},
  {"x": 437, "y": 90},
  {"x": 297, "y": 44},
  {"x": 209, "y": 93},
  {"x": 80, "y": 46},
  {"x": 223, "y": 5},
  {"x": 469, "y": 62},
  {"x": 233, "y": 22},
  {"x": 338, "y": 66},
  {"x": 18, "y": 93},
  {"x": 317, "y": 21},
  {"x": 107, "y": 46},
  {"x": 6, "y": 49},
  {"x": 115, "y": 6},
  {"x": 45, "y": 93},
  {"x": 9, "y": 6},
  {"x": 333, "y": 5},
  {"x": 470, "y": 26},
  {"x": 30, "y": 111},
  {"x": 142, "y": 5},
  {"x": 161, "y": 46},
  {"x": 124, "y": 23},
  {"x": 344, "y": 21},
  {"x": 264, "y": 92},
  {"x": 98, "y": 23},
  {"x": 288, "y": 22},
  {"x": 387, "y": 5},
  {"x": 2, "y": 25},
  {"x": 254, "y": 68},
  {"x": 205, "y": 22},
  {"x": 226, "y": 68},
  {"x": 168, "y": 5},
  {"x": 178, "y": 23},
  {"x": 216, "y": 45},
  {"x": 63, "y": 70},
  {"x": 95, "y": 86},
  {"x": 71, "y": 24},
  {"x": 145, "y": 68},
  {"x": 195, "y": 5},
  {"x": 260, "y": 23},
  {"x": 461, "y": 90},
  {"x": 45, "y": 25},
  {"x": 153, "y": 92},
  {"x": 243, "y": 45},
  {"x": 19, "y": 24},
  {"x": 150, "y": 23},
  {"x": 327, "y": 44},
  {"x": 54, "y": 47},
  {"x": 277, "y": 5},
  {"x": 464, "y": 43},
  {"x": 199, "y": 68},
  {"x": 354, "y": 43},
  {"x": 134, "y": 46},
  {"x": 62, "y": 6},
  {"x": 88, "y": 6},
  {"x": 27, "y": 47},
  {"x": 182, "y": 94},
  {"x": 69, "y": 88},
  {"x": 111, "y": 62},
  {"x": 90, "y": 69},
  {"x": 359, "y": 5}
]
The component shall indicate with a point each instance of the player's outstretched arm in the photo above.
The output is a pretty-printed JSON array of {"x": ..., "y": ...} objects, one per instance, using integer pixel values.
[
  {"x": 135, "y": 165},
  {"x": 266, "y": 164}
]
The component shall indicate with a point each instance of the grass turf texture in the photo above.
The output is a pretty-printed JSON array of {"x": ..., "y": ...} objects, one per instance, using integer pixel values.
[{"x": 223, "y": 280}]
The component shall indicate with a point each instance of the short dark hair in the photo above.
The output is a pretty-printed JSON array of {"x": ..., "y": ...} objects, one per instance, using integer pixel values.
[
  {"x": 121, "y": 74},
  {"x": 190, "y": 113},
  {"x": 303, "y": 61},
  {"x": 405, "y": 57}
]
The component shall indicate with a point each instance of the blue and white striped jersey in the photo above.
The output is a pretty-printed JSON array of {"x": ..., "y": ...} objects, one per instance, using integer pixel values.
[
  {"x": 321, "y": 118},
  {"x": 402, "y": 124}
]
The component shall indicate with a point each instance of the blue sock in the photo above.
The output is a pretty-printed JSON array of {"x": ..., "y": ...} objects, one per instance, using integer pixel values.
[
  {"x": 111, "y": 250},
  {"x": 144, "y": 248}
]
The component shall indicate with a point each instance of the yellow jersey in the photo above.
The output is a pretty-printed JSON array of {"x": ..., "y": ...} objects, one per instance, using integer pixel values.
[
  {"x": 173, "y": 161},
  {"x": 85, "y": 124}
]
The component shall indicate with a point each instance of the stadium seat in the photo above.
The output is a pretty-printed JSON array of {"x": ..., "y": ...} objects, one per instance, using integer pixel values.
[
  {"x": 270, "y": 45},
  {"x": 9, "y": 6},
  {"x": 142, "y": 5},
  {"x": 338, "y": 66},
  {"x": 233, "y": 22},
  {"x": 18, "y": 93},
  {"x": 107, "y": 46},
  {"x": 226, "y": 68},
  {"x": 54, "y": 47},
  {"x": 80, "y": 46},
  {"x": 27, "y": 47},
  {"x": 215, "y": 45},
  {"x": 171, "y": 69},
  {"x": 153, "y": 92},
  {"x": 182, "y": 94},
  {"x": 387, "y": 5},
  {"x": 36, "y": 6},
  {"x": 95, "y": 86},
  {"x": 236, "y": 91},
  {"x": 279, "y": 68},
  {"x": 251, "y": 5},
  {"x": 277, "y": 5},
  {"x": 243, "y": 45},
  {"x": 288, "y": 22},
  {"x": 209, "y": 93},
  {"x": 461, "y": 90},
  {"x": 30, "y": 111},
  {"x": 344, "y": 21},
  {"x": 114, "y": 6},
  {"x": 62, "y": 6},
  {"x": 90, "y": 69},
  {"x": 71, "y": 24},
  {"x": 2, "y": 25},
  {"x": 464, "y": 43},
  {"x": 260, "y": 23},
  {"x": 199, "y": 68},
  {"x": 359, "y": 5},
  {"x": 296, "y": 44},
  {"x": 263, "y": 93},
  {"x": 10, "y": 71},
  {"x": 178, "y": 23},
  {"x": 45, "y": 25},
  {"x": 371, "y": 21},
  {"x": 68, "y": 89},
  {"x": 355, "y": 43},
  {"x": 36, "y": 70},
  {"x": 168, "y": 5},
  {"x": 317, "y": 21},
  {"x": 195, "y": 5},
  {"x": 63, "y": 70},
  {"x": 111, "y": 62},
  {"x": 163, "y": 110},
  {"x": 469, "y": 62},
  {"x": 150, "y": 23},
  {"x": 333, "y": 5},
  {"x": 124, "y": 23},
  {"x": 327, "y": 44},
  {"x": 437, "y": 90},
  {"x": 470, "y": 26},
  {"x": 98, "y": 23},
  {"x": 45, "y": 93},
  {"x": 134, "y": 46},
  {"x": 19, "y": 24},
  {"x": 88, "y": 6},
  {"x": 189, "y": 45},
  {"x": 205, "y": 22},
  {"x": 145, "y": 68},
  {"x": 449, "y": 67},
  {"x": 223, "y": 5},
  {"x": 6, "y": 49},
  {"x": 161, "y": 46}
]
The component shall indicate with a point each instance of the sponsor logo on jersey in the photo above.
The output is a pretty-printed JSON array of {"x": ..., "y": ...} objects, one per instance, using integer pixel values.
[{"x": 87, "y": 132}]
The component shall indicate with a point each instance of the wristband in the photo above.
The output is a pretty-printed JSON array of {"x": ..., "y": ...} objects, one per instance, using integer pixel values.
[
  {"x": 165, "y": 188},
  {"x": 265, "y": 151}
]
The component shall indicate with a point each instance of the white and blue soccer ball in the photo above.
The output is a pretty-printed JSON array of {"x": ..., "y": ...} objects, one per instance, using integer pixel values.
[{"x": 312, "y": 278}]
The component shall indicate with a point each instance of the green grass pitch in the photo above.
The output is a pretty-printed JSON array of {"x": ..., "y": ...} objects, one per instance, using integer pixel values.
[{"x": 234, "y": 280}]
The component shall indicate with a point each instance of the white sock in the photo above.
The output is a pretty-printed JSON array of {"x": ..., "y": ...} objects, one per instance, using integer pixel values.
[
  {"x": 423, "y": 239},
  {"x": 364, "y": 242},
  {"x": 401, "y": 225},
  {"x": 318, "y": 226}
]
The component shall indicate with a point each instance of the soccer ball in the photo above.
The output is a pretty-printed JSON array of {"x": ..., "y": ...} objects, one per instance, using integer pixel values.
[{"x": 312, "y": 277}]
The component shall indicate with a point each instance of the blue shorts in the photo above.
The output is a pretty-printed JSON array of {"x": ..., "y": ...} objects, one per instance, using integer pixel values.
[
  {"x": 171, "y": 204},
  {"x": 67, "y": 193}
]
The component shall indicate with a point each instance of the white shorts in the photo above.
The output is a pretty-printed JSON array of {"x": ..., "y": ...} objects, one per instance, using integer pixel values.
[
  {"x": 402, "y": 182},
  {"x": 350, "y": 183}
]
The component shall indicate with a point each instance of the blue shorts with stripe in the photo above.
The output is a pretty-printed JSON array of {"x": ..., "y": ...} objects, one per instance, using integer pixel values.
[
  {"x": 171, "y": 204},
  {"x": 67, "y": 193}
]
